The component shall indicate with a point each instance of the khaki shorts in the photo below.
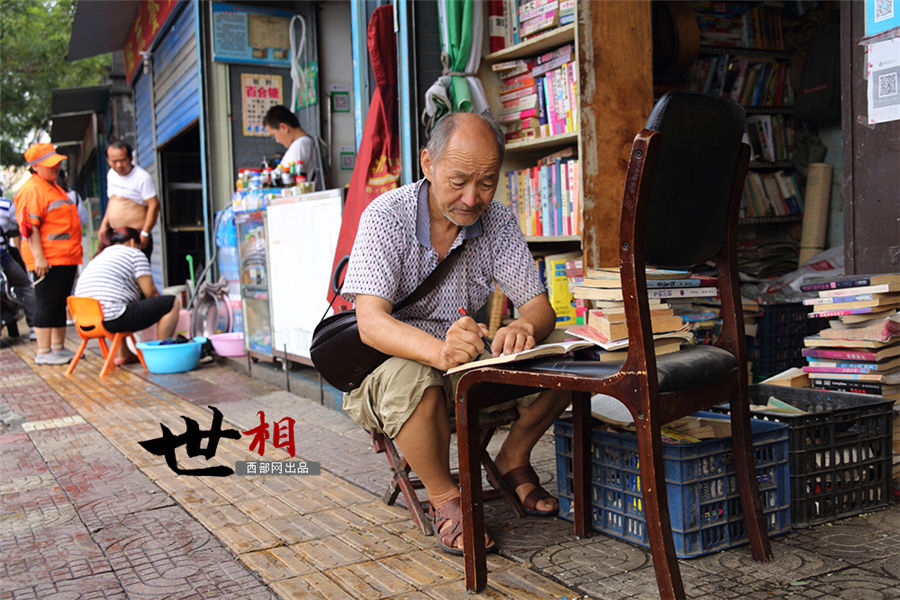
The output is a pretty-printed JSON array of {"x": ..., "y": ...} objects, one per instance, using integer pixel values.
[{"x": 390, "y": 394}]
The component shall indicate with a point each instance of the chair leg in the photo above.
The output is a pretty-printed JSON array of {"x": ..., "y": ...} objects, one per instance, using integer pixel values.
[
  {"x": 140, "y": 354},
  {"x": 401, "y": 480},
  {"x": 78, "y": 354},
  {"x": 111, "y": 355},
  {"x": 581, "y": 463},
  {"x": 656, "y": 510},
  {"x": 745, "y": 471},
  {"x": 471, "y": 495},
  {"x": 104, "y": 349}
]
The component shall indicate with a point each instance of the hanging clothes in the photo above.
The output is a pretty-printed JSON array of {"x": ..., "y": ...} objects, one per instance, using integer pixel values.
[
  {"x": 458, "y": 89},
  {"x": 377, "y": 167}
]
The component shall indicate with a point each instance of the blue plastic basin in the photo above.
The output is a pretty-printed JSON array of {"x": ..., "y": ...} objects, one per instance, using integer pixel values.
[{"x": 171, "y": 358}]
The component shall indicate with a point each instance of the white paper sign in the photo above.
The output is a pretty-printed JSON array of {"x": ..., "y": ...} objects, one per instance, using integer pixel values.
[{"x": 884, "y": 81}]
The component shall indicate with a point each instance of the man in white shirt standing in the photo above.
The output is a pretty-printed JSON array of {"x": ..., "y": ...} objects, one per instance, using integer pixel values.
[
  {"x": 133, "y": 201},
  {"x": 281, "y": 124}
]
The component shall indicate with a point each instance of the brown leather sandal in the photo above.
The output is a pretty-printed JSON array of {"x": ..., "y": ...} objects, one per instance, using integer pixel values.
[
  {"x": 450, "y": 512},
  {"x": 526, "y": 474}
]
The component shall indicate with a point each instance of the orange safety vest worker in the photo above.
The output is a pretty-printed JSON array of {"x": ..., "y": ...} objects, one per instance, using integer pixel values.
[{"x": 46, "y": 206}]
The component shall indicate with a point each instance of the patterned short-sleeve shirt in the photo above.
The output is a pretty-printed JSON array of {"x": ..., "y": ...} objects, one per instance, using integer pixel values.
[{"x": 392, "y": 255}]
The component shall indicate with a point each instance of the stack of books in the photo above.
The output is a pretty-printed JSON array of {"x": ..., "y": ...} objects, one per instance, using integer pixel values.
[
  {"x": 606, "y": 317},
  {"x": 860, "y": 350},
  {"x": 539, "y": 96}
]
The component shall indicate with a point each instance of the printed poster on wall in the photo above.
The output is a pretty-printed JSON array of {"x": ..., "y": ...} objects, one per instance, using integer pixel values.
[
  {"x": 884, "y": 80},
  {"x": 258, "y": 93},
  {"x": 881, "y": 15},
  {"x": 251, "y": 34}
]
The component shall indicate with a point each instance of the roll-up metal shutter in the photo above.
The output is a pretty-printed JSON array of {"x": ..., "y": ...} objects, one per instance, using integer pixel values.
[
  {"x": 176, "y": 84},
  {"x": 145, "y": 157}
]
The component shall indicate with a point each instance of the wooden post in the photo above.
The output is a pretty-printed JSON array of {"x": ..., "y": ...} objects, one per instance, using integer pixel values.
[{"x": 615, "y": 71}]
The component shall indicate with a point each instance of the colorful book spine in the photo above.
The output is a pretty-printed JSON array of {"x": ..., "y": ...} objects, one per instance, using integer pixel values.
[
  {"x": 839, "y": 354},
  {"x": 816, "y": 369}
]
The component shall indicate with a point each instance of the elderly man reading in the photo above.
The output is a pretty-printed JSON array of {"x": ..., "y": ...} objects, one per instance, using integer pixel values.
[{"x": 402, "y": 236}]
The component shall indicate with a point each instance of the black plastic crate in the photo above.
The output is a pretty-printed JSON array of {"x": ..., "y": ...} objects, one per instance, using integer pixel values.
[
  {"x": 840, "y": 455},
  {"x": 778, "y": 343}
]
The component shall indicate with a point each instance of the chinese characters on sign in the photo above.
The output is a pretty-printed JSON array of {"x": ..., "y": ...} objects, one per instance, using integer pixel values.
[
  {"x": 258, "y": 93},
  {"x": 281, "y": 436},
  {"x": 191, "y": 438}
]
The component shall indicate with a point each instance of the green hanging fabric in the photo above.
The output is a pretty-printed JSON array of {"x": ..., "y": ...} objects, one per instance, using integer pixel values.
[{"x": 459, "y": 45}]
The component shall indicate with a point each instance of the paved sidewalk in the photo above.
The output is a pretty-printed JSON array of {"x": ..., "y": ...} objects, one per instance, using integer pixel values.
[{"x": 85, "y": 511}]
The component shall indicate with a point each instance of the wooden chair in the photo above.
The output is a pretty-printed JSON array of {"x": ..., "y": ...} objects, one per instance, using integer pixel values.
[
  {"x": 88, "y": 317},
  {"x": 402, "y": 481},
  {"x": 680, "y": 208}
]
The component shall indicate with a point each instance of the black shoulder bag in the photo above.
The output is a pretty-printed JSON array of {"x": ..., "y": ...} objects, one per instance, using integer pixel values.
[{"x": 337, "y": 351}]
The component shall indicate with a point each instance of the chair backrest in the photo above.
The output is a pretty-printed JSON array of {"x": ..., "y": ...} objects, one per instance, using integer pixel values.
[
  {"x": 687, "y": 207},
  {"x": 88, "y": 316}
]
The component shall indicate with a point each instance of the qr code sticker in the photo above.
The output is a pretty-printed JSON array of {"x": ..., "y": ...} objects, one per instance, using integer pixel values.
[
  {"x": 884, "y": 9},
  {"x": 887, "y": 85}
]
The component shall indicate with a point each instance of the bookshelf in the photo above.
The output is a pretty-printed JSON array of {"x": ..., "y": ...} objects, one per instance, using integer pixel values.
[
  {"x": 533, "y": 191},
  {"x": 742, "y": 55}
]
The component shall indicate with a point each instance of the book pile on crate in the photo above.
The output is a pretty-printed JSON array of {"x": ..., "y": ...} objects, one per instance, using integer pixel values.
[
  {"x": 860, "y": 350},
  {"x": 514, "y": 21},
  {"x": 540, "y": 95},
  {"x": 601, "y": 291},
  {"x": 545, "y": 198}
]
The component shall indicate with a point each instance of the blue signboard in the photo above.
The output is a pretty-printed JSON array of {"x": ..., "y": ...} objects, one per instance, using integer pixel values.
[{"x": 251, "y": 34}]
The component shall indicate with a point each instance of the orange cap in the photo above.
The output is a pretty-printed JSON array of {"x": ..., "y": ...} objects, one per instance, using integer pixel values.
[{"x": 43, "y": 155}]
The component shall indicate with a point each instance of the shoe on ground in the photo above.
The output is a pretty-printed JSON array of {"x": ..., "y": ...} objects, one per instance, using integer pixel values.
[
  {"x": 65, "y": 352},
  {"x": 52, "y": 358}
]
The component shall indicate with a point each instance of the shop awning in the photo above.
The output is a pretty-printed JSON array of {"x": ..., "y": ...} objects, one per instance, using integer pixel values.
[
  {"x": 72, "y": 110},
  {"x": 93, "y": 99},
  {"x": 100, "y": 27}
]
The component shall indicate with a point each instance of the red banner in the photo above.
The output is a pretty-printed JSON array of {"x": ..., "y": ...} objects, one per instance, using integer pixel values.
[{"x": 150, "y": 17}]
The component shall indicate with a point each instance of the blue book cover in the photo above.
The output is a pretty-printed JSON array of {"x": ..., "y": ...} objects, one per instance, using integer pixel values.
[
  {"x": 542, "y": 105},
  {"x": 546, "y": 217},
  {"x": 557, "y": 196}
]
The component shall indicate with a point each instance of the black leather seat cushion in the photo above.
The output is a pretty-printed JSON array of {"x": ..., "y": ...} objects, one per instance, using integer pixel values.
[{"x": 693, "y": 366}]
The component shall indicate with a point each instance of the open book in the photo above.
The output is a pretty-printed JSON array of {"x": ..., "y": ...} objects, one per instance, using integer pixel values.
[{"x": 554, "y": 349}]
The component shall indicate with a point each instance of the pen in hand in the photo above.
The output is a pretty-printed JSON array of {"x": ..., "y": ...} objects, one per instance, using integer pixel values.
[{"x": 488, "y": 341}]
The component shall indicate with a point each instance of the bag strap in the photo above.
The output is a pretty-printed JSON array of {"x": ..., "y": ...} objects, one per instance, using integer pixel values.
[
  {"x": 432, "y": 280},
  {"x": 426, "y": 286}
]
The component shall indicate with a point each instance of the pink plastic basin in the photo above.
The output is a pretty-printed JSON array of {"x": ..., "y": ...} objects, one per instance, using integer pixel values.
[{"x": 228, "y": 344}]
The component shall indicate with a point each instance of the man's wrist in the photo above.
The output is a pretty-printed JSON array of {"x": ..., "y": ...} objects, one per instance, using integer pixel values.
[{"x": 145, "y": 233}]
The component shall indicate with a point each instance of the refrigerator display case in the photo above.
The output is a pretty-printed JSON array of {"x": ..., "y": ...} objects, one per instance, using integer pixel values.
[{"x": 255, "y": 290}]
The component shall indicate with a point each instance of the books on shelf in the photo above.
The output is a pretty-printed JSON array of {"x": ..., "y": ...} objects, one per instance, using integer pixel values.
[
  {"x": 731, "y": 24},
  {"x": 558, "y": 289},
  {"x": 771, "y": 195},
  {"x": 748, "y": 81},
  {"x": 545, "y": 198}
]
